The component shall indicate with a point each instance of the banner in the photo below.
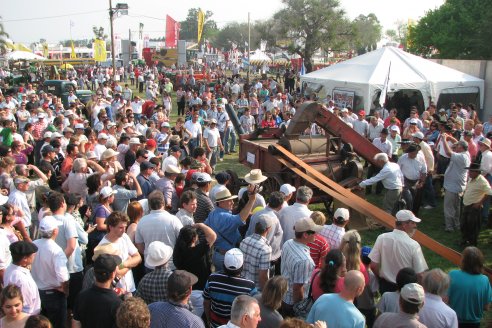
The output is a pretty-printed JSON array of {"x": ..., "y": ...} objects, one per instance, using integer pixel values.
[
  {"x": 201, "y": 21},
  {"x": 45, "y": 50},
  {"x": 72, "y": 54},
  {"x": 172, "y": 32},
  {"x": 99, "y": 48}
]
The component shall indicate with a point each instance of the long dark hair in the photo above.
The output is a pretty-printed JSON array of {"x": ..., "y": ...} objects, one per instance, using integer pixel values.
[
  {"x": 183, "y": 244},
  {"x": 328, "y": 275}
]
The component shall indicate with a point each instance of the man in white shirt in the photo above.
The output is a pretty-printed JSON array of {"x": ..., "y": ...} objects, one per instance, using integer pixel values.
[
  {"x": 18, "y": 198},
  {"x": 360, "y": 125},
  {"x": 290, "y": 215},
  {"x": 137, "y": 104},
  {"x": 195, "y": 128},
  {"x": 384, "y": 145},
  {"x": 414, "y": 170},
  {"x": 334, "y": 232},
  {"x": 392, "y": 179},
  {"x": 49, "y": 271},
  {"x": 100, "y": 147},
  {"x": 428, "y": 191},
  {"x": 212, "y": 143}
]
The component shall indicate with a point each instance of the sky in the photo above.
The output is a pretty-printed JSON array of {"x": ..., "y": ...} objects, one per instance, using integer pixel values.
[{"x": 28, "y": 21}]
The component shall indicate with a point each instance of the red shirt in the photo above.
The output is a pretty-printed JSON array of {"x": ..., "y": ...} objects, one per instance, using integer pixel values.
[{"x": 318, "y": 250}]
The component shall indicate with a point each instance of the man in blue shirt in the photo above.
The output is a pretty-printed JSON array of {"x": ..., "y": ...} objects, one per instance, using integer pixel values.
[{"x": 225, "y": 224}]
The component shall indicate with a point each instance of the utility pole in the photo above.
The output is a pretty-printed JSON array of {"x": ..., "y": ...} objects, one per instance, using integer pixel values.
[
  {"x": 249, "y": 47},
  {"x": 111, "y": 13}
]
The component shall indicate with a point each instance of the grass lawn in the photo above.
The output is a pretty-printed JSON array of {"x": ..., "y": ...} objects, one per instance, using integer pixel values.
[{"x": 432, "y": 220}]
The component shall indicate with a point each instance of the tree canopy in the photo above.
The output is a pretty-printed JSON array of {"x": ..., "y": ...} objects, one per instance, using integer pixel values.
[
  {"x": 367, "y": 33},
  {"x": 459, "y": 29},
  {"x": 189, "y": 27}
]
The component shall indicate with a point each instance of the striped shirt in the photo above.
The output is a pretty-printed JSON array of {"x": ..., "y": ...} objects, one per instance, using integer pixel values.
[
  {"x": 257, "y": 256},
  {"x": 221, "y": 290},
  {"x": 153, "y": 286},
  {"x": 297, "y": 266},
  {"x": 167, "y": 314},
  {"x": 318, "y": 250},
  {"x": 203, "y": 206}
]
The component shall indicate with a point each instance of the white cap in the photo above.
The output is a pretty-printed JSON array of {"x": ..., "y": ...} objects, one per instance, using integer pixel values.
[
  {"x": 56, "y": 135},
  {"x": 413, "y": 121},
  {"x": 342, "y": 213},
  {"x": 165, "y": 125},
  {"x": 49, "y": 223},
  {"x": 173, "y": 169},
  {"x": 41, "y": 115},
  {"x": 213, "y": 121},
  {"x": 158, "y": 254},
  {"x": 233, "y": 259},
  {"x": 79, "y": 126},
  {"x": 413, "y": 293},
  {"x": 127, "y": 125},
  {"x": 134, "y": 141},
  {"x": 68, "y": 113},
  {"x": 102, "y": 136},
  {"x": 406, "y": 215},
  {"x": 107, "y": 191},
  {"x": 47, "y": 134},
  {"x": 287, "y": 189},
  {"x": 419, "y": 135},
  {"x": 344, "y": 110},
  {"x": 395, "y": 128}
]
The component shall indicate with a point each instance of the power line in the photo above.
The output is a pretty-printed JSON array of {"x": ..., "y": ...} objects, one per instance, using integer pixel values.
[{"x": 50, "y": 17}]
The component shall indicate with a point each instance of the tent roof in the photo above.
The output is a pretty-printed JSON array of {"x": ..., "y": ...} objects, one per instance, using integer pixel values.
[{"x": 373, "y": 68}]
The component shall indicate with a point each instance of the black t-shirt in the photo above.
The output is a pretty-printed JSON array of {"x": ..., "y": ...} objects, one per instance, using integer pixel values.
[
  {"x": 194, "y": 260},
  {"x": 129, "y": 159},
  {"x": 96, "y": 308}
]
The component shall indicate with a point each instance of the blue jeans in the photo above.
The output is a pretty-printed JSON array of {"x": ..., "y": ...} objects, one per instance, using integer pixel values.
[
  {"x": 229, "y": 133},
  {"x": 429, "y": 193},
  {"x": 54, "y": 307}
]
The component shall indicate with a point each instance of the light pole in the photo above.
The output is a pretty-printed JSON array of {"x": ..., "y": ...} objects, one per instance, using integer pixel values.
[{"x": 122, "y": 9}]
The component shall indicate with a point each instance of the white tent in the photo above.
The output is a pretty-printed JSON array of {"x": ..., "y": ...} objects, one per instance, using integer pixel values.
[
  {"x": 22, "y": 55},
  {"x": 366, "y": 75},
  {"x": 259, "y": 57}
]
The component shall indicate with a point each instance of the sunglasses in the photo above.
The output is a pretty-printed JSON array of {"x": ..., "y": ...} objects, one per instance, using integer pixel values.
[{"x": 310, "y": 232}]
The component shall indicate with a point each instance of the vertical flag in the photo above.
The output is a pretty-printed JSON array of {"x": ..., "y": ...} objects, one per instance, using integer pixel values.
[
  {"x": 201, "y": 21},
  {"x": 45, "y": 50},
  {"x": 172, "y": 32},
  {"x": 72, "y": 54},
  {"x": 303, "y": 68},
  {"x": 99, "y": 48}
]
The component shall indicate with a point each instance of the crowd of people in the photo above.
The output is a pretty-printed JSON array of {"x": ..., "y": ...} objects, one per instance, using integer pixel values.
[{"x": 115, "y": 215}]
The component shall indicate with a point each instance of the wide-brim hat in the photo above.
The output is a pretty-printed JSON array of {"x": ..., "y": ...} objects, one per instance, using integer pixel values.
[
  {"x": 485, "y": 142},
  {"x": 223, "y": 195},
  {"x": 158, "y": 254},
  {"x": 108, "y": 153},
  {"x": 255, "y": 176}
]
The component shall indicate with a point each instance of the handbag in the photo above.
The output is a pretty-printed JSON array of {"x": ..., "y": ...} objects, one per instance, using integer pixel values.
[{"x": 302, "y": 308}]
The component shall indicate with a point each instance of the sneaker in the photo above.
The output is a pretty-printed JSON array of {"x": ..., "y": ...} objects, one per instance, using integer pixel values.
[
  {"x": 428, "y": 207},
  {"x": 221, "y": 159}
]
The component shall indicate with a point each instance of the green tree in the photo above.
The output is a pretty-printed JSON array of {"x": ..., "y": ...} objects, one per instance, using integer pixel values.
[
  {"x": 310, "y": 25},
  {"x": 3, "y": 36},
  {"x": 237, "y": 33},
  {"x": 367, "y": 33},
  {"x": 99, "y": 33},
  {"x": 459, "y": 29},
  {"x": 189, "y": 27},
  {"x": 399, "y": 34}
]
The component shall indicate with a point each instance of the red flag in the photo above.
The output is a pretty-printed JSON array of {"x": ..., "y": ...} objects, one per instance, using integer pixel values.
[{"x": 172, "y": 32}]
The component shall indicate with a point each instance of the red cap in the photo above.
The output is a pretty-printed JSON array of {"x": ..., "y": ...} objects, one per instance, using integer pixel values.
[
  {"x": 45, "y": 106},
  {"x": 362, "y": 112},
  {"x": 151, "y": 143}
]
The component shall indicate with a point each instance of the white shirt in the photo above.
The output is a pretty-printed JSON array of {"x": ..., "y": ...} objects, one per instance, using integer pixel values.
[
  {"x": 384, "y": 147},
  {"x": 486, "y": 162},
  {"x": 22, "y": 278},
  {"x": 19, "y": 199},
  {"x": 222, "y": 119},
  {"x": 135, "y": 168},
  {"x": 169, "y": 160},
  {"x": 428, "y": 155},
  {"x": 126, "y": 249},
  {"x": 194, "y": 128},
  {"x": 390, "y": 175},
  {"x": 289, "y": 216},
  {"x": 361, "y": 127},
  {"x": 98, "y": 150},
  {"x": 158, "y": 225},
  {"x": 5, "y": 257},
  {"x": 66, "y": 231},
  {"x": 437, "y": 314},
  {"x": 412, "y": 168},
  {"x": 374, "y": 131},
  {"x": 137, "y": 107},
  {"x": 49, "y": 268},
  {"x": 212, "y": 136},
  {"x": 396, "y": 250}
]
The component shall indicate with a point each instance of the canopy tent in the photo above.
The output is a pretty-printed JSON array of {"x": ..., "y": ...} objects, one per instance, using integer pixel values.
[
  {"x": 390, "y": 69},
  {"x": 259, "y": 57},
  {"x": 22, "y": 55}
]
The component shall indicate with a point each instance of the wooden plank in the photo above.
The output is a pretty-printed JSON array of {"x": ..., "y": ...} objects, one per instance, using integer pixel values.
[{"x": 361, "y": 205}]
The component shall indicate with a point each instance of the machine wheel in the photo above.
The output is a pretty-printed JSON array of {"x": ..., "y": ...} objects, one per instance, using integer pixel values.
[{"x": 270, "y": 185}]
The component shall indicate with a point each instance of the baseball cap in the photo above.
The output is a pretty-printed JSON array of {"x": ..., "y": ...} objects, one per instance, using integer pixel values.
[
  {"x": 395, "y": 128},
  {"x": 134, "y": 141},
  {"x": 213, "y": 121},
  {"x": 146, "y": 165},
  {"x": 49, "y": 223},
  {"x": 79, "y": 126},
  {"x": 151, "y": 143},
  {"x": 203, "y": 177},
  {"x": 287, "y": 189},
  {"x": 344, "y": 110},
  {"x": 107, "y": 248},
  {"x": 165, "y": 125},
  {"x": 233, "y": 259},
  {"x": 265, "y": 221},
  {"x": 91, "y": 155},
  {"x": 102, "y": 136},
  {"x": 107, "y": 191},
  {"x": 47, "y": 134},
  {"x": 179, "y": 283},
  {"x": 68, "y": 129},
  {"x": 413, "y": 121},
  {"x": 106, "y": 263},
  {"x": 41, "y": 115},
  {"x": 174, "y": 149},
  {"x": 222, "y": 177},
  {"x": 306, "y": 224},
  {"x": 47, "y": 149},
  {"x": 413, "y": 293},
  {"x": 342, "y": 213},
  {"x": 23, "y": 248},
  {"x": 173, "y": 169},
  {"x": 362, "y": 113},
  {"x": 406, "y": 215},
  {"x": 56, "y": 135},
  {"x": 158, "y": 254},
  {"x": 365, "y": 250},
  {"x": 419, "y": 135}
]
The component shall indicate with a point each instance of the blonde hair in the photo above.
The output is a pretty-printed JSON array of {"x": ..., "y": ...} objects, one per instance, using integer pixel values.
[
  {"x": 318, "y": 218},
  {"x": 6, "y": 162},
  {"x": 350, "y": 247}
]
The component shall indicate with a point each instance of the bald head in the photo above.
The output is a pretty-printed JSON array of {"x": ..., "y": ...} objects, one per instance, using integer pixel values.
[{"x": 354, "y": 281}]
